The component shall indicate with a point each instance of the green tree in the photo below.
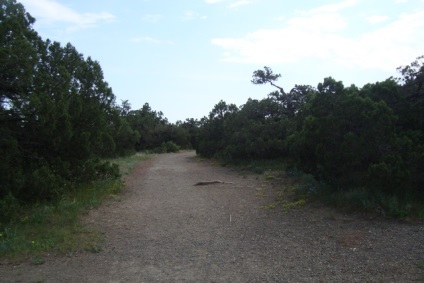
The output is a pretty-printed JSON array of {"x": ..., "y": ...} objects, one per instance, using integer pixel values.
[
  {"x": 256, "y": 131},
  {"x": 413, "y": 79},
  {"x": 342, "y": 134},
  {"x": 151, "y": 126},
  {"x": 18, "y": 59},
  {"x": 398, "y": 172},
  {"x": 123, "y": 135},
  {"x": 154, "y": 129},
  {"x": 192, "y": 127},
  {"x": 211, "y": 135},
  {"x": 57, "y": 114},
  {"x": 291, "y": 101}
]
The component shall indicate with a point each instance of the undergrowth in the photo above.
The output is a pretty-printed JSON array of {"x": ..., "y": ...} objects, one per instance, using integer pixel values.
[
  {"x": 296, "y": 188},
  {"x": 289, "y": 191},
  {"x": 386, "y": 205},
  {"x": 55, "y": 227},
  {"x": 127, "y": 164}
]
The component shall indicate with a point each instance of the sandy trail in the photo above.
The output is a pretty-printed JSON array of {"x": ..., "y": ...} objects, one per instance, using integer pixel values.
[{"x": 165, "y": 229}]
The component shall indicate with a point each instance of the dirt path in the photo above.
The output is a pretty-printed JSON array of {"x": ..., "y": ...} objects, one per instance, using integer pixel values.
[{"x": 167, "y": 230}]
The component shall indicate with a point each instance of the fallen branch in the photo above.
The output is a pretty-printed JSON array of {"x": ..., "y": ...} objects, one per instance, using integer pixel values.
[{"x": 204, "y": 183}]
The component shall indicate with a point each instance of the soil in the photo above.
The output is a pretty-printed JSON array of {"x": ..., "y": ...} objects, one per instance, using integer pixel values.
[{"x": 166, "y": 229}]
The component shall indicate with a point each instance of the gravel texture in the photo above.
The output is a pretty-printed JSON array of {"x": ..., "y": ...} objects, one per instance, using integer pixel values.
[{"x": 165, "y": 229}]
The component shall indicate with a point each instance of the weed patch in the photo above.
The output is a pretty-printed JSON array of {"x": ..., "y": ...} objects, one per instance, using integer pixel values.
[
  {"x": 288, "y": 191},
  {"x": 127, "y": 164}
]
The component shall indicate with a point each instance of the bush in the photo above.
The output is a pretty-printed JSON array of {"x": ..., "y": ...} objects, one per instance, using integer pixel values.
[
  {"x": 171, "y": 147},
  {"x": 161, "y": 149},
  {"x": 42, "y": 184},
  {"x": 167, "y": 147},
  {"x": 107, "y": 171},
  {"x": 9, "y": 207}
]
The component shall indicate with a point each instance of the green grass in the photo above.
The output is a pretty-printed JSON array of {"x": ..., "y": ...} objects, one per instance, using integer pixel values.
[
  {"x": 421, "y": 264},
  {"x": 304, "y": 188},
  {"x": 364, "y": 201},
  {"x": 264, "y": 166},
  {"x": 291, "y": 189},
  {"x": 55, "y": 227},
  {"x": 127, "y": 164}
]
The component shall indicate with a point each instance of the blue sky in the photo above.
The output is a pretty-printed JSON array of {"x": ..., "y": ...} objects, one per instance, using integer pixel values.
[{"x": 183, "y": 56}]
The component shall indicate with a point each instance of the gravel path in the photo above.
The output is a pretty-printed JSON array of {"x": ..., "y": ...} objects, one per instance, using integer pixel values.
[{"x": 165, "y": 229}]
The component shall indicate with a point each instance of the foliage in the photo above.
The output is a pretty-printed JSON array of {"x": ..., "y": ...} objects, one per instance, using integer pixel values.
[
  {"x": 191, "y": 128},
  {"x": 342, "y": 134},
  {"x": 257, "y": 131},
  {"x": 58, "y": 116},
  {"x": 154, "y": 129},
  {"x": 366, "y": 144},
  {"x": 171, "y": 147},
  {"x": 211, "y": 135}
]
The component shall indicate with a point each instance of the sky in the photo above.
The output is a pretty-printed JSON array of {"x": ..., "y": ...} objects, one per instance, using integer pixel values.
[{"x": 184, "y": 56}]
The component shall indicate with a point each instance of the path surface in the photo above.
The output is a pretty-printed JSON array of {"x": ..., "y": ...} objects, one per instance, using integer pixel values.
[{"x": 167, "y": 230}]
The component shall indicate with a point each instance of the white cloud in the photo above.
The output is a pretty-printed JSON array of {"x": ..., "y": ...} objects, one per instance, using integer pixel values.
[
  {"x": 391, "y": 45},
  {"x": 376, "y": 19},
  {"x": 240, "y": 3},
  {"x": 323, "y": 33},
  {"x": 151, "y": 40},
  {"x": 324, "y": 22},
  {"x": 191, "y": 15},
  {"x": 52, "y": 11},
  {"x": 332, "y": 8},
  {"x": 214, "y": 1}
]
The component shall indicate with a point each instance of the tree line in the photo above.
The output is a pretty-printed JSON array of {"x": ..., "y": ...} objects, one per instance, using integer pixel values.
[{"x": 369, "y": 139}]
